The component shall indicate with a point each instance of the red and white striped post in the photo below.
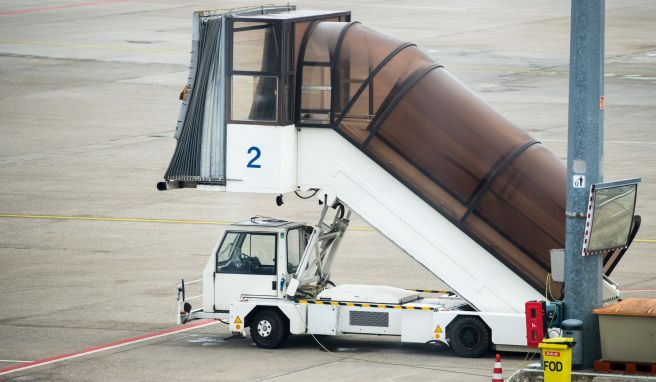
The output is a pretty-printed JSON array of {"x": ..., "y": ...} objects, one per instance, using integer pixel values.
[{"x": 497, "y": 373}]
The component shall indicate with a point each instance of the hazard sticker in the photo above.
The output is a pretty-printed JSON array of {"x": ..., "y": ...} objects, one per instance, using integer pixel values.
[
  {"x": 438, "y": 332},
  {"x": 237, "y": 323}
]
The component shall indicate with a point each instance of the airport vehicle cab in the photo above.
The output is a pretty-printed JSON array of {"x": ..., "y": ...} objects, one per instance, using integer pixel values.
[{"x": 255, "y": 257}]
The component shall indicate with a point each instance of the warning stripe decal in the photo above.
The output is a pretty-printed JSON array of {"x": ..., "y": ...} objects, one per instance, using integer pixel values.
[{"x": 363, "y": 305}]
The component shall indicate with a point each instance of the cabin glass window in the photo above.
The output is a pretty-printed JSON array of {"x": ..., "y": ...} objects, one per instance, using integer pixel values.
[
  {"x": 255, "y": 71},
  {"x": 226, "y": 250},
  {"x": 254, "y": 98},
  {"x": 249, "y": 253},
  {"x": 295, "y": 248},
  {"x": 254, "y": 47}
]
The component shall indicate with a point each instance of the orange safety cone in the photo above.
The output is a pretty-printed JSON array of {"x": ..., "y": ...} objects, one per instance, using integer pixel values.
[{"x": 497, "y": 373}]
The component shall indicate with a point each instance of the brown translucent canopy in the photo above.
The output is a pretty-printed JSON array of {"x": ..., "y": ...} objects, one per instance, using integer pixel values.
[{"x": 427, "y": 129}]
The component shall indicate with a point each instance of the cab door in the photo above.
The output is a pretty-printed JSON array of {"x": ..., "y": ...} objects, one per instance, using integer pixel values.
[{"x": 246, "y": 265}]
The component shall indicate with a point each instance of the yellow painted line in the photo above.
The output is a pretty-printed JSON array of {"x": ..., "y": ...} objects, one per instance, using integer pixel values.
[
  {"x": 97, "y": 218},
  {"x": 136, "y": 220},
  {"x": 91, "y": 46},
  {"x": 178, "y": 221}
]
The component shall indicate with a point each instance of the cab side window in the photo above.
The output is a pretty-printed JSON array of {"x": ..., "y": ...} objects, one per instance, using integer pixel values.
[{"x": 295, "y": 248}]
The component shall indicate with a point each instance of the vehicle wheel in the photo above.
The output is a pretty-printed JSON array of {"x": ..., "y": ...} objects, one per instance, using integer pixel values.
[
  {"x": 269, "y": 329},
  {"x": 469, "y": 337}
]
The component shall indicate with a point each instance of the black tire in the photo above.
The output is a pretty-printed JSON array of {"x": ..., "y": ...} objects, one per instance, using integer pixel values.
[
  {"x": 269, "y": 329},
  {"x": 469, "y": 337}
]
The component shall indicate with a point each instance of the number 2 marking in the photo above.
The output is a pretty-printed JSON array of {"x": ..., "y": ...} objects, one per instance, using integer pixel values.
[{"x": 252, "y": 163}]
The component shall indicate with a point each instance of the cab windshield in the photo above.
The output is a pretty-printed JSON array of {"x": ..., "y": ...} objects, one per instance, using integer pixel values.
[{"x": 247, "y": 252}]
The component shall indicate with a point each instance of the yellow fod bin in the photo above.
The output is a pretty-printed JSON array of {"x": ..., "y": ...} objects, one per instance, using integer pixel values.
[{"x": 557, "y": 359}]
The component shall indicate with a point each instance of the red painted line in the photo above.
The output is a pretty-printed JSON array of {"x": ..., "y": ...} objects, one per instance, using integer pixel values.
[
  {"x": 111, "y": 345},
  {"x": 637, "y": 290},
  {"x": 58, "y": 7}
]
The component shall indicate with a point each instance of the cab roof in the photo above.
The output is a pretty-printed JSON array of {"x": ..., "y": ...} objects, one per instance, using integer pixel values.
[{"x": 264, "y": 221}]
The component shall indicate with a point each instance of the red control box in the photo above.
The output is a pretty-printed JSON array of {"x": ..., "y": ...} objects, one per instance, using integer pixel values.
[{"x": 534, "y": 323}]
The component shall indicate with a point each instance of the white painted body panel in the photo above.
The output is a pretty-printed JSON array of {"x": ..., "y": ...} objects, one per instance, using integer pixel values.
[
  {"x": 417, "y": 326},
  {"x": 277, "y": 160},
  {"x": 208, "y": 282},
  {"x": 322, "y": 319},
  {"x": 230, "y": 287},
  {"x": 507, "y": 328}
]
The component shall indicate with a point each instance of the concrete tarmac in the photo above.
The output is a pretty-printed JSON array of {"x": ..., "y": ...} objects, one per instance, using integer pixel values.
[{"x": 91, "y": 253}]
